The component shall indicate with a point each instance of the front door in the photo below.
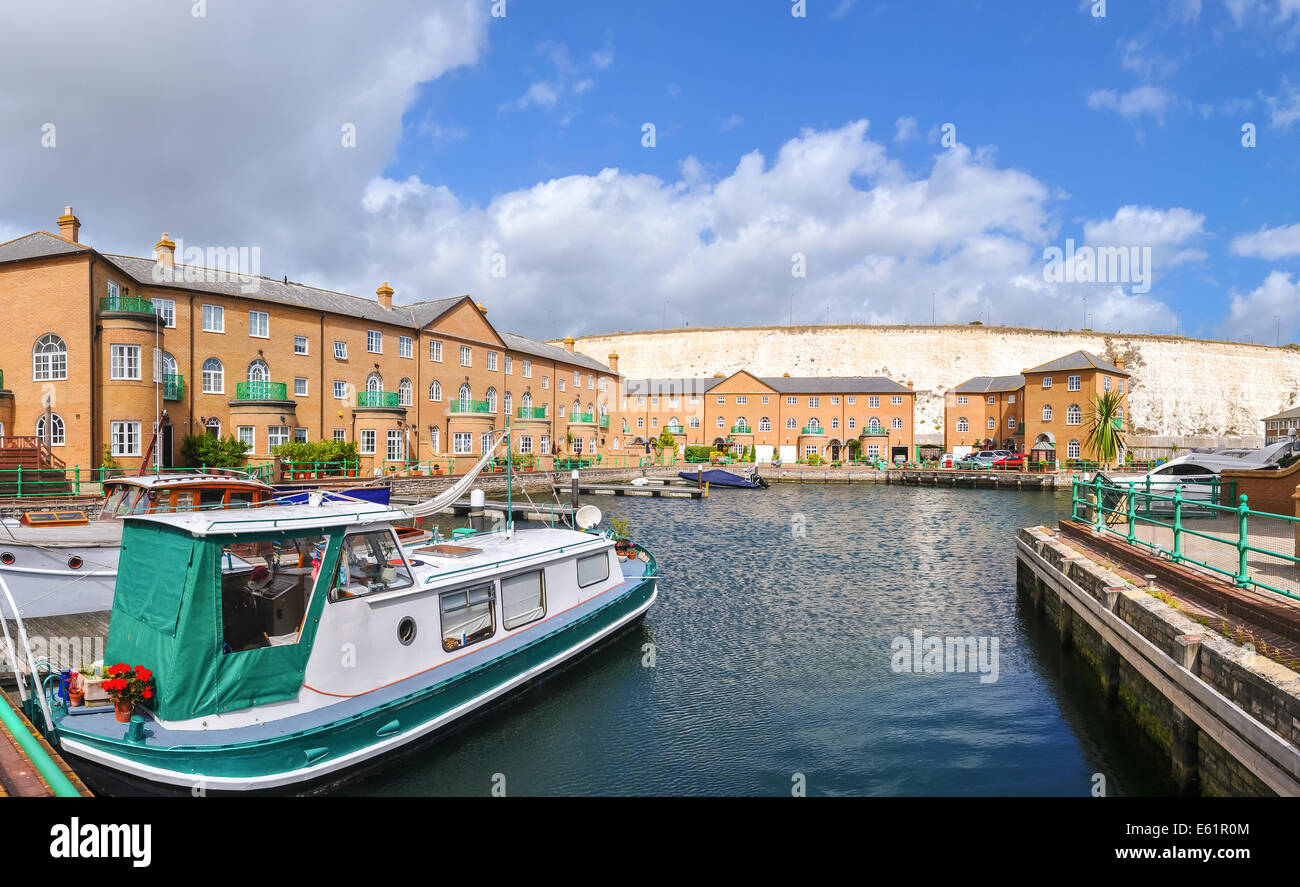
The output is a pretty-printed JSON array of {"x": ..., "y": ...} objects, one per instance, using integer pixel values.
[{"x": 165, "y": 447}]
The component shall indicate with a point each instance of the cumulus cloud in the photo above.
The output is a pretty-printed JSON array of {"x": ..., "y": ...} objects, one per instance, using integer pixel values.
[
  {"x": 905, "y": 129},
  {"x": 1267, "y": 313},
  {"x": 1153, "y": 101},
  {"x": 1170, "y": 233},
  {"x": 1284, "y": 108},
  {"x": 567, "y": 80},
  {"x": 1269, "y": 243}
]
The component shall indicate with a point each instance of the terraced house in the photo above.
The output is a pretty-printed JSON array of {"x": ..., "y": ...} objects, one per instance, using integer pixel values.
[
  {"x": 103, "y": 349},
  {"x": 985, "y": 412},
  {"x": 786, "y": 417},
  {"x": 1058, "y": 403}
]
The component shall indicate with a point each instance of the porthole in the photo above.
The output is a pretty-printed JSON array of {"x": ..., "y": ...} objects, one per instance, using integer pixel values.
[
  {"x": 6, "y": 558},
  {"x": 406, "y": 631},
  {"x": 74, "y": 563}
]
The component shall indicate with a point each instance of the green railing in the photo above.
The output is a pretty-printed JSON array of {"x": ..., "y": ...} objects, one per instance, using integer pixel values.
[
  {"x": 78, "y": 481},
  {"x": 582, "y": 419},
  {"x": 604, "y": 421},
  {"x": 809, "y": 430},
  {"x": 875, "y": 431},
  {"x": 531, "y": 413},
  {"x": 261, "y": 391},
  {"x": 741, "y": 429},
  {"x": 126, "y": 303},
  {"x": 381, "y": 399},
  {"x": 173, "y": 386},
  {"x": 469, "y": 406},
  {"x": 314, "y": 470},
  {"x": 1123, "y": 509}
]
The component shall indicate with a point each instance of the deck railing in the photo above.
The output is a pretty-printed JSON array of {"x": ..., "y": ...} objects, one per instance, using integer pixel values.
[{"x": 1172, "y": 520}]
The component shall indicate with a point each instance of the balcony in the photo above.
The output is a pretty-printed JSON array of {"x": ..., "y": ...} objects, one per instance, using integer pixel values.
[
  {"x": 173, "y": 386},
  {"x": 261, "y": 391},
  {"x": 386, "y": 399},
  {"x": 875, "y": 431},
  {"x": 741, "y": 429},
  {"x": 126, "y": 303},
  {"x": 808, "y": 429},
  {"x": 465, "y": 407},
  {"x": 582, "y": 419},
  {"x": 604, "y": 422},
  {"x": 531, "y": 413}
]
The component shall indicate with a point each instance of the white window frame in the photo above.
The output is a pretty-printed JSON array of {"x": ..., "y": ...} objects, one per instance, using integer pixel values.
[
  {"x": 124, "y": 363},
  {"x": 276, "y": 435},
  {"x": 405, "y": 346},
  {"x": 375, "y": 341},
  {"x": 259, "y": 320},
  {"x": 303, "y": 341},
  {"x": 213, "y": 318},
  {"x": 435, "y": 350},
  {"x": 367, "y": 440},
  {"x": 300, "y": 390},
  {"x": 340, "y": 350},
  {"x": 247, "y": 434},
  {"x": 124, "y": 438},
  {"x": 466, "y": 356},
  {"x": 166, "y": 309}
]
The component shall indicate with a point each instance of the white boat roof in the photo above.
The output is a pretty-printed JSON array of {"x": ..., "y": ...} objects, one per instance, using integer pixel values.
[
  {"x": 274, "y": 518},
  {"x": 150, "y": 481}
]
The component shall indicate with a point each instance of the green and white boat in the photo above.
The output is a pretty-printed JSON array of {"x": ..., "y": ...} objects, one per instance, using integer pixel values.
[{"x": 334, "y": 647}]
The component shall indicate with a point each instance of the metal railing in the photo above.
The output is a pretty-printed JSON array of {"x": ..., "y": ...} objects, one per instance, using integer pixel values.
[
  {"x": 582, "y": 419},
  {"x": 741, "y": 429},
  {"x": 531, "y": 413},
  {"x": 875, "y": 431},
  {"x": 173, "y": 386},
  {"x": 126, "y": 303},
  {"x": 604, "y": 421},
  {"x": 1171, "y": 522},
  {"x": 77, "y": 481},
  {"x": 808, "y": 429},
  {"x": 258, "y": 390},
  {"x": 467, "y": 406},
  {"x": 316, "y": 470}
]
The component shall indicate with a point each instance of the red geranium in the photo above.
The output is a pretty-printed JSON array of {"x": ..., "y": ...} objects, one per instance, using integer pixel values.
[{"x": 129, "y": 684}]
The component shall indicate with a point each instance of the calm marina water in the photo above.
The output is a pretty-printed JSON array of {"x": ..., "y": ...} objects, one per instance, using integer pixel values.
[{"x": 772, "y": 656}]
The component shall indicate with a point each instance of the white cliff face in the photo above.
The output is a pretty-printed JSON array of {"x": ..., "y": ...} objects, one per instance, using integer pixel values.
[{"x": 1181, "y": 387}]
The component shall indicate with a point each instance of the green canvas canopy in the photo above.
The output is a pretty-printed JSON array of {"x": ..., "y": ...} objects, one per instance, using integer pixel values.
[{"x": 167, "y": 616}]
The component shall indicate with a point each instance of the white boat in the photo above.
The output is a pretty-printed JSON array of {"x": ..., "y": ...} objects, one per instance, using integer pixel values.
[
  {"x": 64, "y": 561},
  {"x": 1195, "y": 475}
]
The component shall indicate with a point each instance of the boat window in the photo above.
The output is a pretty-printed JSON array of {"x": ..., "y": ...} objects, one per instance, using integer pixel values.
[
  {"x": 593, "y": 569},
  {"x": 130, "y": 496},
  {"x": 266, "y": 590},
  {"x": 112, "y": 501},
  {"x": 523, "y": 599},
  {"x": 468, "y": 616},
  {"x": 212, "y": 497},
  {"x": 373, "y": 563},
  {"x": 184, "y": 500},
  {"x": 240, "y": 498},
  {"x": 140, "y": 502}
]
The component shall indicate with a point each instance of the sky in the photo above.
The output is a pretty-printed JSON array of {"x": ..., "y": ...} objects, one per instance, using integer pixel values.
[{"x": 585, "y": 167}]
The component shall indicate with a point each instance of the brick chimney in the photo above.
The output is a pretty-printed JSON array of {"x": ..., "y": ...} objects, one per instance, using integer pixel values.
[
  {"x": 569, "y": 343},
  {"x": 385, "y": 293},
  {"x": 482, "y": 309},
  {"x": 1119, "y": 363},
  {"x": 613, "y": 363},
  {"x": 69, "y": 225},
  {"x": 164, "y": 251}
]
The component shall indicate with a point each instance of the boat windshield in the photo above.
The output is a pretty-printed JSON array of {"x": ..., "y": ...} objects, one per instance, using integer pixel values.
[
  {"x": 123, "y": 499},
  {"x": 374, "y": 563}
]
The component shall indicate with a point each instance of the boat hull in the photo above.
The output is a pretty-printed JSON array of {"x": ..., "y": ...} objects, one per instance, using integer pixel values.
[
  {"x": 321, "y": 758},
  {"x": 43, "y": 583},
  {"x": 718, "y": 478}
]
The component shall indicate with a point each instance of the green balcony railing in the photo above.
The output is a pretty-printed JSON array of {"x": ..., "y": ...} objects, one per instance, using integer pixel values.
[
  {"x": 531, "y": 412},
  {"x": 741, "y": 429},
  {"x": 808, "y": 429},
  {"x": 582, "y": 419},
  {"x": 875, "y": 431},
  {"x": 261, "y": 391},
  {"x": 470, "y": 406},
  {"x": 173, "y": 386},
  {"x": 126, "y": 303},
  {"x": 388, "y": 399},
  {"x": 604, "y": 421}
]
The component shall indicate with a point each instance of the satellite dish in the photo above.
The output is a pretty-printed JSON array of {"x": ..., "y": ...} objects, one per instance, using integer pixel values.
[{"x": 587, "y": 517}]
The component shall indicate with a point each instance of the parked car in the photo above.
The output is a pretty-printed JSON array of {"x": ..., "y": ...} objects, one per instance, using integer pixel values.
[
  {"x": 977, "y": 461},
  {"x": 1012, "y": 462},
  {"x": 945, "y": 461}
]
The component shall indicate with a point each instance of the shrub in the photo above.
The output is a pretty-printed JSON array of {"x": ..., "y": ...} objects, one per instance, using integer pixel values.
[
  {"x": 198, "y": 450},
  {"x": 697, "y": 453},
  {"x": 814, "y": 459}
]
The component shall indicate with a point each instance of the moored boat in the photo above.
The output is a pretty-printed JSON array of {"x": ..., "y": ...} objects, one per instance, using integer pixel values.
[{"x": 717, "y": 477}]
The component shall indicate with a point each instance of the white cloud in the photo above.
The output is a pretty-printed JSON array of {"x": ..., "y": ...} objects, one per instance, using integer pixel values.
[
  {"x": 732, "y": 122},
  {"x": 568, "y": 80},
  {"x": 1284, "y": 108},
  {"x": 1139, "y": 101},
  {"x": 905, "y": 129},
  {"x": 1269, "y": 243},
  {"x": 1265, "y": 314}
]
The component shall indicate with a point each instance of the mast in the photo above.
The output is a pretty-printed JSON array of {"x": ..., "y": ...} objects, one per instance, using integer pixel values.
[{"x": 510, "y": 510}]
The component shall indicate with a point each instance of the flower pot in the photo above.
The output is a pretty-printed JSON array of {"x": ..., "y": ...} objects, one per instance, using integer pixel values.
[
  {"x": 122, "y": 709},
  {"x": 94, "y": 693},
  {"x": 76, "y": 698}
]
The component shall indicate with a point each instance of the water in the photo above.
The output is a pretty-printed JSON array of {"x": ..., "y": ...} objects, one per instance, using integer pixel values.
[{"x": 772, "y": 654}]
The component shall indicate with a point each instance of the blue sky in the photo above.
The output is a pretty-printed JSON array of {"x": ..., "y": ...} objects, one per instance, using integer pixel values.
[{"x": 519, "y": 139}]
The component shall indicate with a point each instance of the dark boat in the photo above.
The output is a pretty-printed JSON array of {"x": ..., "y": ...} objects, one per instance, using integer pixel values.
[
  {"x": 716, "y": 477},
  {"x": 297, "y": 494}
]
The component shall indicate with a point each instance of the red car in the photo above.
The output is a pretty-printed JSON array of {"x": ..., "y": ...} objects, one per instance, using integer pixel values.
[{"x": 1014, "y": 462}]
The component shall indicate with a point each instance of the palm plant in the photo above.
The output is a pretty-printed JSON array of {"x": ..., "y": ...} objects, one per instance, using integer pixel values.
[{"x": 1106, "y": 427}]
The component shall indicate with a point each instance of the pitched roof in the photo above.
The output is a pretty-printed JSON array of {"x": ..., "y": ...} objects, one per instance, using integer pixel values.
[
  {"x": 1293, "y": 413},
  {"x": 983, "y": 384},
  {"x": 37, "y": 245},
  {"x": 1078, "y": 360},
  {"x": 835, "y": 385},
  {"x": 516, "y": 342}
]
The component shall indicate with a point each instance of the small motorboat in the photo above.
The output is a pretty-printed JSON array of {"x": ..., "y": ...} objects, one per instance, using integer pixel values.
[{"x": 716, "y": 477}]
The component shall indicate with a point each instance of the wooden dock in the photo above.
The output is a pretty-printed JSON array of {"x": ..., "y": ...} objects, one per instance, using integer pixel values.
[
  {"x": 660, "y": 491},
  {"x": 995, "y": 480},
  {"x": 19, "y": 775}
]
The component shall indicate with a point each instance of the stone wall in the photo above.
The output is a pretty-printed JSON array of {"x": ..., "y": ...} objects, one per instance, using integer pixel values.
[{"x": 1181, "y": 387}]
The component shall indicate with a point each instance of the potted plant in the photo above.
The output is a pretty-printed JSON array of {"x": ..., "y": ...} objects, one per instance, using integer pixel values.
[
  {"x": 90, "y": 680},
  {"x": 76, "y": 695},
  {"x": 622, "y": 545},
  {"x": 127, "y": 686}
]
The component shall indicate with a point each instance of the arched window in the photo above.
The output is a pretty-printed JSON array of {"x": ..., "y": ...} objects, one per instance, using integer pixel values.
[
  {"x": 492, "y": 400},
  {"x": 49, "y": 358},
  {"x": 404, "y": 392},
  {"x": 56, "y": 429},
  {"x": 742, "y": 422},
  {"x": 813, "y": 423},
  {"x": 435, "y": 435},
  {"x": 168, "y": 364},
  {"x": 435, "y": 391},
  {"x": 674, "y": 425},
  {"x": 464, "y": 396},
  {"x": 527, "y": 401},
  {"x": 1047, "y": 412},
  {"x": 1072, "y": 449},
  {"x": 1073, "y": 415},
  {"x": 374, "y": 383},
  {"x": 835, "y": 422},
  {"x": 791, "y": 424},
  {"x": 765, "y": 424},
  {"x": 874, "y": 424},
  {"x": 509, "y": 403},
  {"x": 258, "y": 371},
  {"x": 591, "y": 409},
  {"x": 896, "y": 423},
  {"x": 214, "y": 427},
  {"x": 963, "y": 425},
  {"x": 577, "y": 408},
  {"x": 214, "y": 376}
]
